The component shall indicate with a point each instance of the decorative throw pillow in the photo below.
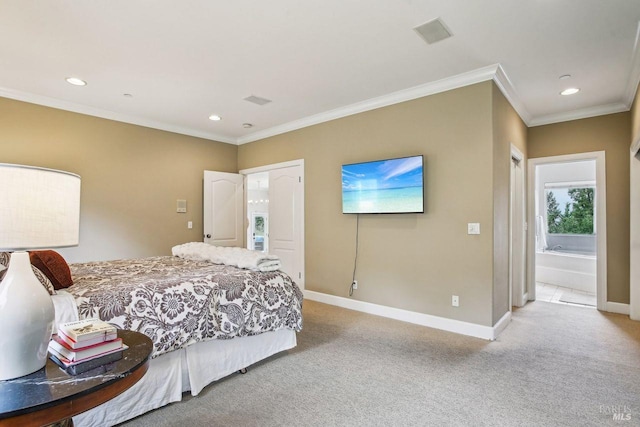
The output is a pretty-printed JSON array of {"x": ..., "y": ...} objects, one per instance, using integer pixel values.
[
  {"x": 52, "y": 265},
  {"x": 44, "y": 280},
  {"x": 5, "y": 257},
  {"x": 4, "y": 263}
]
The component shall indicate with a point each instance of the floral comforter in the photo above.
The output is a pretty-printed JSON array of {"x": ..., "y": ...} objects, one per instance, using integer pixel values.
[{"x": 178, "y": 302}]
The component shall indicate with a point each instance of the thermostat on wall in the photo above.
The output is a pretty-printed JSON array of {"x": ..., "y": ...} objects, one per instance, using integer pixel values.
[{"x": 182, "y": 206}]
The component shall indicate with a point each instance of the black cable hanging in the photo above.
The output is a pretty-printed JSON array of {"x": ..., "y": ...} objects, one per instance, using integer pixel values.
[{"x": 355, "y": 261}]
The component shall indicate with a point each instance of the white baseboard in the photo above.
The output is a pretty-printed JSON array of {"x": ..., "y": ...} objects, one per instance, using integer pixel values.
[
  {"x": 501, "y": 325},
  {"x": 443, "y": 323},
  {"x": 616, "y": 307}
]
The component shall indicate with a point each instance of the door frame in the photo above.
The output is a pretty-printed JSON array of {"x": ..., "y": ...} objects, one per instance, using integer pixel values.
[
  {"x": 600, "y": 213},
  {"x": 282, "y": 165},
  {"x": 520, "y": 251}
]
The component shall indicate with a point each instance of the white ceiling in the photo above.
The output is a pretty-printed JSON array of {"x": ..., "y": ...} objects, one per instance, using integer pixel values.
[{"x": 316, "y": 60}]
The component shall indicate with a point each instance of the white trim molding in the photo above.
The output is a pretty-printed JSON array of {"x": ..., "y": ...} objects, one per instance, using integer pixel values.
[
  {"x": 266, "y": 168},
  {"x": 457, "y": 326},
  {"x": 110, "y": 115},
  {"x": 616, "y": 307},
  {"x": 432, "y": 88},
  {"x": 493, "y": 72},
  {"x": 503, "y": 82},
  {"x": 584, "y": 113},
  {"x": 600, "y": 214}
]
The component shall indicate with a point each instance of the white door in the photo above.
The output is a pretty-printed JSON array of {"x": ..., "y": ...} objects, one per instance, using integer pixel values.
[
  {"x": 286, "y": 219},
  {"x": 223, "y": 208}
]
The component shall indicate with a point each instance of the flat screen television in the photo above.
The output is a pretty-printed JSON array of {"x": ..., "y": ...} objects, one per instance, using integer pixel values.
[{"x": 384, "y": 186}]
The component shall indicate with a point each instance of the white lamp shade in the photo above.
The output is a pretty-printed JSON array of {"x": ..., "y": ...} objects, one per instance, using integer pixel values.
[{"x": 40, "y": 208}]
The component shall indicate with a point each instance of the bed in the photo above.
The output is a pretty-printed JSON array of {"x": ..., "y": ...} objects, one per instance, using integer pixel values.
[{"x": 206, "y": 321}]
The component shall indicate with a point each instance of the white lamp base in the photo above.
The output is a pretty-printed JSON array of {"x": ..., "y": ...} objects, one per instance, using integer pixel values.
[{"x": 26, "y": 317}]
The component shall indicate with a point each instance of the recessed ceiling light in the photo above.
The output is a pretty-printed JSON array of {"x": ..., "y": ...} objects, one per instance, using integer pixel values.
[
  {"x": 570, "y": 91},
  {"x": 127, "y": 95},
  {"x": 215, "y": 118},
  {"x": 565, "y": 76},
  {"x": 76, "y": 81},
  {"x": 247, "y": 125}
]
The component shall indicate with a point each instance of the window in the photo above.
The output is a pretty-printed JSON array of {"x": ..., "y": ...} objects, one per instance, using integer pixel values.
[{"x": 570, "y": 208}]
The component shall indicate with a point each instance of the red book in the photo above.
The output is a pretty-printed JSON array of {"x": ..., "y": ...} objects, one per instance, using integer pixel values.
[
  {"x": 89, "y": 342},
  {"x": 61, "y": 348}
]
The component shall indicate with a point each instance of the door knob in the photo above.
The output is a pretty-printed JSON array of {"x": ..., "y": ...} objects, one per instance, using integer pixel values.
[{"x": 208, "y": 236}]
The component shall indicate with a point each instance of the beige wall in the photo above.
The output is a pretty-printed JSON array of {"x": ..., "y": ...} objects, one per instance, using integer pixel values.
[
  {"x": 611, "y": 134},
  {"x": 131, "y": 176},
  {"x": 508, "y": 128},
  {"x": 413, "y": 262}
]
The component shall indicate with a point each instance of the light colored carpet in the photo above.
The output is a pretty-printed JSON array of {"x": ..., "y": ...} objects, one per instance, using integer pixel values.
[{"x": 554, "y": 365}]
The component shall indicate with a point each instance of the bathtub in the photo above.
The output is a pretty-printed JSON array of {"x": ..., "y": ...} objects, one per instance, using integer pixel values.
[{"x": 570, "y": 270}]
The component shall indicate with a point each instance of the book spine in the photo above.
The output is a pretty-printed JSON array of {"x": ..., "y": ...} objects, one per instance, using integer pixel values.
[
  {"x": 70, "y": 362},
  {"x": 87, "y": 343},
  {"x": 81, "y": 354},
  {"x": 79, "y": 368}
]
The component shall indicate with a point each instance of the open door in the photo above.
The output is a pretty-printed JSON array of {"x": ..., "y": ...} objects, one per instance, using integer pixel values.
[
  {"x": 285, "y": 219},
  {"x": 223, "y": 208}
]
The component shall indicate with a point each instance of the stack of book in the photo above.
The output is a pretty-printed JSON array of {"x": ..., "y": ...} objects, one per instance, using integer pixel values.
[{"x": 84, "y": 345}]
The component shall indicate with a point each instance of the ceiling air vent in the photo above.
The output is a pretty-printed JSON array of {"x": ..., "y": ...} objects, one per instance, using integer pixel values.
[
  {"x": 257, "y": 100},
  {"x": 433, "y": 31}
]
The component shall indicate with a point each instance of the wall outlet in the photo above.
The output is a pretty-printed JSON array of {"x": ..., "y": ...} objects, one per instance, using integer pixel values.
[
  {"x": 355, "y": 284},
  {"x": 455, "y": 300},
  {"x": 190, "y": 225}
]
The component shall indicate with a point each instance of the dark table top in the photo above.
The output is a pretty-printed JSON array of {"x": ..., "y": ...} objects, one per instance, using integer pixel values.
[{"x": 51, "y": 385}]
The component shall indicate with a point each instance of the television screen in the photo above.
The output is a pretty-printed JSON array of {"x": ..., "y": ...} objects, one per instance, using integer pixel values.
[{"x": 384, "y": 186}]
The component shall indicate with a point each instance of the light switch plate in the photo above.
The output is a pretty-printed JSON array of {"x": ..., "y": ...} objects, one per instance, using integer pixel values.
[{"x": 473, "y": 228}]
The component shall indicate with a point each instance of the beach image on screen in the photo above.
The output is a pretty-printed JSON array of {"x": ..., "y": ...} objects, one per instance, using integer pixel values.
[{"x": 386, "y": 186}]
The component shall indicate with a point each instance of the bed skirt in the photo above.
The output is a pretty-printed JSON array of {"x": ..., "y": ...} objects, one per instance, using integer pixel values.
[{"x": 187, "y": 369}]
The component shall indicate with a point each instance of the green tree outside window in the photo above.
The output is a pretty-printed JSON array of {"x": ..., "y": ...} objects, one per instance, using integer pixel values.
[{"x": 577, "y": 217}]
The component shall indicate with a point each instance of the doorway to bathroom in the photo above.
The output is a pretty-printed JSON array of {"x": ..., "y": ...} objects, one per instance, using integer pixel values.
[{"x": 569, "y": 229}]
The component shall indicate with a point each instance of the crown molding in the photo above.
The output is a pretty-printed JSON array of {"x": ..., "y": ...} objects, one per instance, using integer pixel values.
[
  {"x": 584, "y": 113},
  {"x": 493, "y": 72},
  {"x": 110, "y": 115},
  {"x": 506, "y": 87},
  {"x": 443, "y": 85}
]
